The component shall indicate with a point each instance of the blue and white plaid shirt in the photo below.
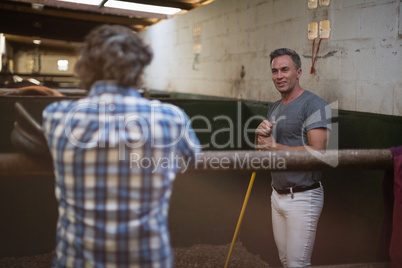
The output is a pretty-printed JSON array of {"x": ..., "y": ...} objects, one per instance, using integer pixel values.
[{"x": 115, "y": 156}]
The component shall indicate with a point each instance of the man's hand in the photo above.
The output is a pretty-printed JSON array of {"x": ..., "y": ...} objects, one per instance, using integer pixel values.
[
  {"x": 264, "y": 140},
  {"x": 265, "y": 128},
  {"x": 266, "y": 143}
]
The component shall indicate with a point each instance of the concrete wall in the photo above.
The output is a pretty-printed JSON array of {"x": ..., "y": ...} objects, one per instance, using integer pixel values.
[
  {"x": 44, "y": 62},
  {"x": 358, "y": 66}
]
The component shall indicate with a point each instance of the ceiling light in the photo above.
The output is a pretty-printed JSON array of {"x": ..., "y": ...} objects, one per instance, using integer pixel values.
[
  {"x": 142, "y": 7},
  {"x": 129, "y": 6},
  {"x": 37, "y": 41},
  {"x": 85, "y": 2}
]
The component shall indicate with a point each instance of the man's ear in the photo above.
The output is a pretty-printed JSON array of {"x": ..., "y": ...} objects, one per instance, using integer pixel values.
[{"x": 298, "y": 73}]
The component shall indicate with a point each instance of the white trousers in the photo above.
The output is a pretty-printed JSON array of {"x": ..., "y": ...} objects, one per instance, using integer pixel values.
[{"x": 294, "y": 222}]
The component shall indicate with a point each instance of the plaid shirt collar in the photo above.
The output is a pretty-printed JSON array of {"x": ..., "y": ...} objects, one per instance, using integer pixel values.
[{"x": 110, "y": 86}]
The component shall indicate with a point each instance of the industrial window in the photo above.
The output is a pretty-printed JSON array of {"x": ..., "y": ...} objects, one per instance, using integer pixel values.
[{"x": 62, "y": 65}]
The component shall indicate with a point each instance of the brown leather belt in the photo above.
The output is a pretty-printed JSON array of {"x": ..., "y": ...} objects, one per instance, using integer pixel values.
[{"x": 297, "y": 189}]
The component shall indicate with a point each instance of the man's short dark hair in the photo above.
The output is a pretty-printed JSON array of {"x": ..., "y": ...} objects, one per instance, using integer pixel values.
[{"x": 286, "y": 51}]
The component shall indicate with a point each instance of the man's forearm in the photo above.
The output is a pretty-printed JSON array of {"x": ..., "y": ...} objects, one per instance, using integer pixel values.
[{"x": 269, "y": 144}]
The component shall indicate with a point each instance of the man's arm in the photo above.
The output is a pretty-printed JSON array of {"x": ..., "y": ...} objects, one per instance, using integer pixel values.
[{"x": 317, "y": 139}]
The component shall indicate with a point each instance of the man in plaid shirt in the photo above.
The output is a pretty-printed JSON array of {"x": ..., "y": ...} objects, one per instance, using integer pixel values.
[{"x": 115, "y": 156}]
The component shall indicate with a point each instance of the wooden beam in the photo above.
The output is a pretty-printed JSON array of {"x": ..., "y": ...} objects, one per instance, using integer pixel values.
[
  {"x": 92, "y": 13},
  {"x": 165, "y": 3}
]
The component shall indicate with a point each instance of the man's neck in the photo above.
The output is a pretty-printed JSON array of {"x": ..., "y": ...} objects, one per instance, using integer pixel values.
[{"x": 291, "y": 96}]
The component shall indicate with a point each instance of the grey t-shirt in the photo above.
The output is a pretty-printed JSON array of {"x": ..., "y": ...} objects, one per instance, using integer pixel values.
[{"x": 293, "y": 121}]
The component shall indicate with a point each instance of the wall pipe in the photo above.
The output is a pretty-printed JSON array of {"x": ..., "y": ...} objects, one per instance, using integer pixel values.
[
  {"x": 371, "y": 159},
  {"x": 22, "y": 165}
]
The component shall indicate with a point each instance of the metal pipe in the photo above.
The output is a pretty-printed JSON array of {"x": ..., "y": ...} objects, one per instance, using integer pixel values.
[
  {"x": 103, "y": 3},
  {"x": 21, "y": 165},
  {"x": 217, "y": 161}
]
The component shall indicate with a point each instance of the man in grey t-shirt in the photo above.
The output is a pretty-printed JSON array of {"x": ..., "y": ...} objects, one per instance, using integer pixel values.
[{"x": 299, "y": 121}]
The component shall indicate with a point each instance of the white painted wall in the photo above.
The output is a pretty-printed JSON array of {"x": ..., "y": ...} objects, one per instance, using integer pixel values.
[{"x": 359, "y": 65}]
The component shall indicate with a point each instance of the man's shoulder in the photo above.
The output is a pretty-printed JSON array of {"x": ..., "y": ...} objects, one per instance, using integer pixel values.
[
  {"x": 167, "y": 109},
  {"x": 275, "y": 104},
  {"x": 59, "y": 106},
  {"x": 310, "y": 95},
  {"x": 312, "y": 98},
  {"x": 164, "y": 105}
]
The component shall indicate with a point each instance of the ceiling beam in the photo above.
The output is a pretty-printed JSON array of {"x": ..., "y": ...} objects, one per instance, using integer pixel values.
[
  {"x": 17, "y": 23},
  {"x": 91, "y": 8},
  {"x": 165, "y": 3},
  {"x": 75, "y": 15}
]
